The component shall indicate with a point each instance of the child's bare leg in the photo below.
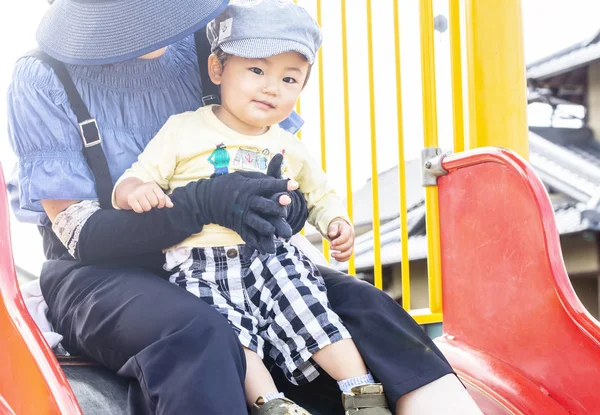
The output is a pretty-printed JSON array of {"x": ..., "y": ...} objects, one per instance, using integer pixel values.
[
  {"x": 341, "y": 360},
  {"x": 258, "y": 379}
]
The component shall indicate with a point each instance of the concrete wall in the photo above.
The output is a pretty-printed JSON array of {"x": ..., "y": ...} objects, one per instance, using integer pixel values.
[
  {"x": 419, "y": 295},
  {"x": 594, "y": 98},
  {"x": 587, "y": 291},
  {"x": 580, "y": 254}
]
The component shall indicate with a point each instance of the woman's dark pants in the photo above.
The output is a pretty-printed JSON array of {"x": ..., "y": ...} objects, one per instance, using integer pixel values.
[{"x": 184, "y": 357}]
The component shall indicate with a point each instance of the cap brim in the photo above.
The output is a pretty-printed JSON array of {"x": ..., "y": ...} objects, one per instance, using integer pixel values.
[
  {"x": 86, "y": 33},
  {"x": 256, "y": 48}
]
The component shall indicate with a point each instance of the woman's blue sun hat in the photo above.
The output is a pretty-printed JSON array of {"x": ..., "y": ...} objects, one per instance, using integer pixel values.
[
  {"x": 96, "y": 32},
  {"x": 261, "y": 28}
]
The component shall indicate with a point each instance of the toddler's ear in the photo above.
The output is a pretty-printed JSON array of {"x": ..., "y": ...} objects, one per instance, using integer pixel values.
[{"x": 215, "y": 69}]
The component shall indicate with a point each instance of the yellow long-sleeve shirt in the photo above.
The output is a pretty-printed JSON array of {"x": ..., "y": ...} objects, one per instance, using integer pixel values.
[{"x": 195, "y": 145}]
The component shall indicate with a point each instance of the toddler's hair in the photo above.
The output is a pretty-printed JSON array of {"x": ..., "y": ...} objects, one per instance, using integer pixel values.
[{"x": 222, "y": 57}]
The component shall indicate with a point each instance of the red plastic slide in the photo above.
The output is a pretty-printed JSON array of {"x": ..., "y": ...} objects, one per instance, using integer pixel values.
[
  {"x": 31, "y": 382},
  {"x": 514, "y": 329}
]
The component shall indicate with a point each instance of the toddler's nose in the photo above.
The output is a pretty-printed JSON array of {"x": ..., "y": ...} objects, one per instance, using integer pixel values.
[{"x": 270, "y": 87}]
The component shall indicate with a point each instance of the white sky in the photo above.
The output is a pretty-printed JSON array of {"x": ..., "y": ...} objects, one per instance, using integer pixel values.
[{"x": 549, "y": 25}]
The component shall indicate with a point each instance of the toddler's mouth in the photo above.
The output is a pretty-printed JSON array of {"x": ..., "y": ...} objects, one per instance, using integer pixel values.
[{"x": 264, "y": 104}]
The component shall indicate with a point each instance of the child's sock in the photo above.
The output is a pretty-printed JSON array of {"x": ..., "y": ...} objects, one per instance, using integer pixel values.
[
  {"x": 273, "y": 395},
  {"x": 347, "y": 384}
]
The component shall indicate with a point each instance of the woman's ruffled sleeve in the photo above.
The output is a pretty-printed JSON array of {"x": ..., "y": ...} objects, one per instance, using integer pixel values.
[{"x": 44, "y": 134}]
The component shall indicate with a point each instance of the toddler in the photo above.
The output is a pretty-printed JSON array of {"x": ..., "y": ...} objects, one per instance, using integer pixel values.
[{"x": 277, "y": 304}]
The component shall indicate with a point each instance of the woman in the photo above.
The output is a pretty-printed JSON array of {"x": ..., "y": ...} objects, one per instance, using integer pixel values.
[{"x": 134, "y": 65}]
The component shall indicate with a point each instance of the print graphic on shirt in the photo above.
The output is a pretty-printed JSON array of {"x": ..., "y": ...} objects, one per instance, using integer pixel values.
[
  {"x": 284, "y": 167},
  {"x": 220, "y": 160},
  {"x": 251, "y": 159},
  {"x": 263, "y": 163}
]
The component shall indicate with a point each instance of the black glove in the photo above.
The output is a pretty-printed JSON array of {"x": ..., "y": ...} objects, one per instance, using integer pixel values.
[
  {"x": 297, "y": 212},
  {"x": 240, "y": 201}
]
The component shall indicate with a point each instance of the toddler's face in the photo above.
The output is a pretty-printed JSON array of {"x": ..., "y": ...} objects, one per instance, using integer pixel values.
[{"x": 263, "y": 92}]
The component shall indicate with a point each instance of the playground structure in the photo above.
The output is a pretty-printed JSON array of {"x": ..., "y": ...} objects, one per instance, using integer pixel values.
[{"x": 513, "y": 328}]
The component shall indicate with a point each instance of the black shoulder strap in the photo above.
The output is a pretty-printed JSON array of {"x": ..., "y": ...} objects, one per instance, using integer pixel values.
[
  {"x": 88, "y": 126},
  {"x": 210, "y": 91},
  {"x": 88, "y": 129}
]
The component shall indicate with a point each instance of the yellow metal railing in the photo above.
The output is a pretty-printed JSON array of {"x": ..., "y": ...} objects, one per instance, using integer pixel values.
[
  {"x": 457, "y": 73},
  {"x": 496, "y": 102},
  {"x": 377, "y": 271},
  {"x": 405, "y": 264},
  {"x": 346, "y": 100},
  {"x": 430, "y": 139},
  {"x": 299, "y": 133},
  {"x": 322, "y": 114},
  {"x": 496, "y": 66}
]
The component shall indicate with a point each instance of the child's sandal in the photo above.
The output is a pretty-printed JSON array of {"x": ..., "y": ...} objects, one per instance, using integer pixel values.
[
  {"x": 278, "y": 406},
  {"x": 366, "y": 400}
]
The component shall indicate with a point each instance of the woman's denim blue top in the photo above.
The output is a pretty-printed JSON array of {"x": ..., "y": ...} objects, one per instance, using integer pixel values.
[{"x": 130, "y": 102}]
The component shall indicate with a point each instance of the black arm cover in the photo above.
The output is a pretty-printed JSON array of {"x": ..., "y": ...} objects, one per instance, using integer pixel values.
[
  {"x": 239, "y": 201},
  {"x": 110, "y": 234}
]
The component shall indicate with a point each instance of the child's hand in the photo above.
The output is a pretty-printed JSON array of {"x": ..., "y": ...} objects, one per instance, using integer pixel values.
[
  {"x": 147, "y": 196},
  {"x": 341, "y": 234}
]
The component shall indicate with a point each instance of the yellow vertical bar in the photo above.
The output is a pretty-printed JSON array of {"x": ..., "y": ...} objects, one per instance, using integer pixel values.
[
  {"x": 349, "y": 200},
  {"x": 456, "y": 68},
  {"x": 402, "y": 165},
  {"x": 434, "y": 263},
  {"x": 299, "y": 133},
  {"x": 431, "y": 140},
  {"x": 428, "y": 75},
  {"x": 496, "y": 65},
  {"x": 298, "y": 110},
  {"x": 374, "y": 178},
  {"x": 322, "y": 117}
]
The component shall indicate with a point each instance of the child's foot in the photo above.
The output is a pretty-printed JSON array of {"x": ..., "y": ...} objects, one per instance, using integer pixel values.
[
  {"x": 278, "y": 406},
  {"x": 366, "y": 399}
]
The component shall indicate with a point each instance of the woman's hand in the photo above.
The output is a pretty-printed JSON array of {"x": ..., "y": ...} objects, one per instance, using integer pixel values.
[
  {"x": 241, "y": 201},
  {"x": 341, "y": 234},
  {"x": 294, "y": 201}
]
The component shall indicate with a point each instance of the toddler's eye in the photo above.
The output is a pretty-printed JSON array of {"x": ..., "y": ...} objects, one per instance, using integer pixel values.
[
  {"x": 257, "y": 71},
  {"x": 289, "y": 80}
]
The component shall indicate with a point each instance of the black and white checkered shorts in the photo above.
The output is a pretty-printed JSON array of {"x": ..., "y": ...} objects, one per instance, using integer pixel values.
[{"x": 277, "y": 304}]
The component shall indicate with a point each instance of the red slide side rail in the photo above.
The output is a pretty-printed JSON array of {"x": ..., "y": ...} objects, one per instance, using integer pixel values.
[{"x": 514, "y": 328}]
